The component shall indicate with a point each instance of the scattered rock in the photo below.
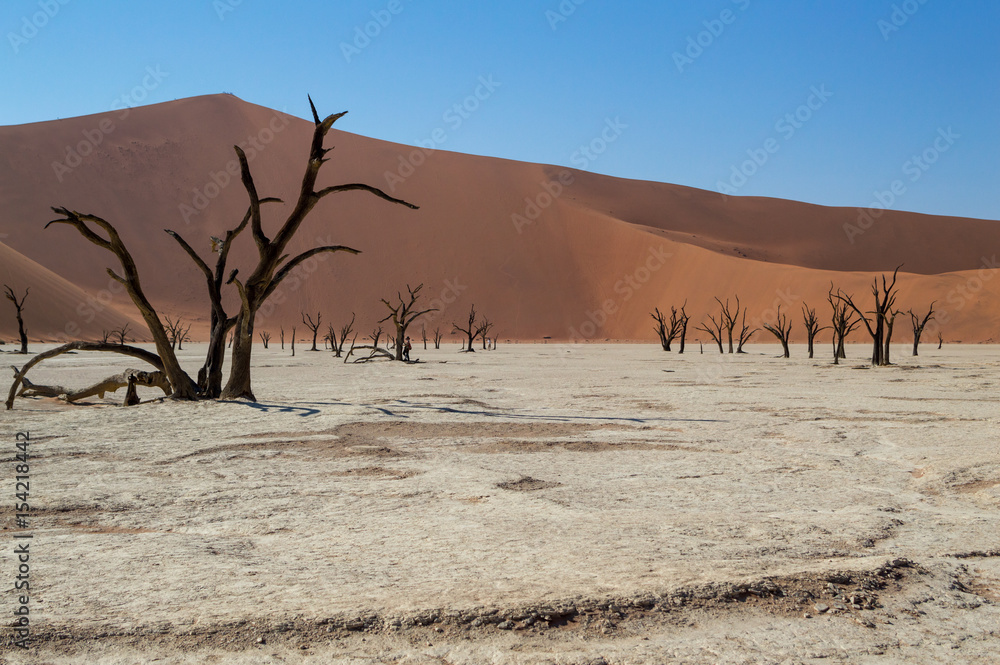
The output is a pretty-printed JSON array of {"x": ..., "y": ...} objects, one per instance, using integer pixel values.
[
  {"x": 820, "y": 607},
  {"x": 506, "y": 625}
]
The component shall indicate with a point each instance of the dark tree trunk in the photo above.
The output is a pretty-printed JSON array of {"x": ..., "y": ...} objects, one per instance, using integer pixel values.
[{"x": 182, "y": 385}]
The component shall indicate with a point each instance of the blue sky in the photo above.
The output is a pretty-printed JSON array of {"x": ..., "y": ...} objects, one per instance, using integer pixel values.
[{"x": 826, "y": 101}]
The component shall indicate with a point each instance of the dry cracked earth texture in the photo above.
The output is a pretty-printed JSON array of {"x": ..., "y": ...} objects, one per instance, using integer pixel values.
[{"x": 533, "y": 504}]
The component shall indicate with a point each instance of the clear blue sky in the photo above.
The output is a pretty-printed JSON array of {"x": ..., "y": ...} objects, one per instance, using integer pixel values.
[{"x": 560, "y": 81}]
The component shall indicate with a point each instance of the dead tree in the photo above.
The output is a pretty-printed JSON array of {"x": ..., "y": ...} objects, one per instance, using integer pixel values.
[
  {"x": 313, "y": 326},
  {"x": 376, "y": 350},
  {"x": 919, "y": 324},
  {"x": 729, "y": 318},
  {"x": 683, "y": 325},
  {"x": 133, "y": 351},
  {"x": 281, "y": 330},
  {"x": 940, "y": 340},
  {"x": 210, "y": 374},
  {"x": 184, "y": 336},
  {"x": 811, "y": 322},
  {"x": 470, "y": 330},
  {"x": 293, "y": 341},
  {"x": 174, "y": 329},
  {"x": 782, "y": 329},
  {"x": 19, "y": 306},
  {"x": 130, "y": 378},
  {"x": 345, "y": 330},
  {"x": 745, "y": 332},
  {"x": 483, "y": 330},
  {"x": 265, "y": 337},
  {"x": 715, "y": 331},
  {"x": 423, "y": 335},
  {"x": 661, "y": 328},
  {"x": 331, "y": 337},
  {"x": 844, "y": 324},
  {"x": 438, "y": 336},
  {"x": 273, "y": 264},
  {"x": 121, "y": 334},
  {"x": 890, "y": 320},
  {"x": 885, "y": 298},
  {"x": 182, "y": 387},
  {"x": 403, "y": 314}
]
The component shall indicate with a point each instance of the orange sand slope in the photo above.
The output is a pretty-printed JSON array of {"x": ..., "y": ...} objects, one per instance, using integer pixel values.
[{"x": 542, "y": 250}]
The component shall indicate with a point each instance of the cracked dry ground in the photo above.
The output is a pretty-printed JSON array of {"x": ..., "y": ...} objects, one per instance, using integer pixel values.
[{"x": 537, "y": 504}]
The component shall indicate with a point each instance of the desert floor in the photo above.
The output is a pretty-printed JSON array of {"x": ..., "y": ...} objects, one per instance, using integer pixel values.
[{"x": 533, "y": 504}]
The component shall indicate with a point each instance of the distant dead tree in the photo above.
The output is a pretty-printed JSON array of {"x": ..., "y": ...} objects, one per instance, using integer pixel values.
[
  {"x": 184, "y": 336},
  {"x": 265, "y": 337},
  {"x": 919, "y": 324},
  {"x": 423, "y": 335},
  {"x": 19, "y": 306},
  {"x": 376, "y": 351},
  {"x": 105, "y": 336},
  {"x": 890, "y": 320},
  {"x": 403, "y": 314},
  {"x": 438, "y": 336},
  {"x": 682, "y": 320},
  {"x": 662, "y": 330},
  {"x": 782, "y": 329},
  {"x": 120, "y": 334},
  {"x": 811, "y": 322},
  {"x": 281, "y": 330},
  {"x": 745, "y": 333},
  {"x": 330, "y": 337},
  {"x": 940, "y": 340},
  {"x": 174, "y": 328},
  {"x": 844, "y": 324},
  {"x": 483, "y": 330},
  {"x": 345, "y": 330},
  {"x": 470, "y": 330},
  {"x": 313, "y": 326},
  {"x": 729, "y": 318},
  {"x": 293, "y": 341},
  {"x": 715, "y": 331},
  {"x": 882, "y": 315}
]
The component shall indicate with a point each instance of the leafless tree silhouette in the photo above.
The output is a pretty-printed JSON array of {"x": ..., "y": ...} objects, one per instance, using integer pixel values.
[
  {"x": 313, "y": 326},
  {"x": 882, "y": 315},
  {"x": 403, "y": 314},
  {"x": 782, "y": 329},
  {"x": 19, "y": 306},
  {"x": 919, "y": 324}
]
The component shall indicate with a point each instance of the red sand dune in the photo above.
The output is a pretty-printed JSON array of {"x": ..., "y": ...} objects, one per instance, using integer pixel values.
[{"x": 542, "y": 250}]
